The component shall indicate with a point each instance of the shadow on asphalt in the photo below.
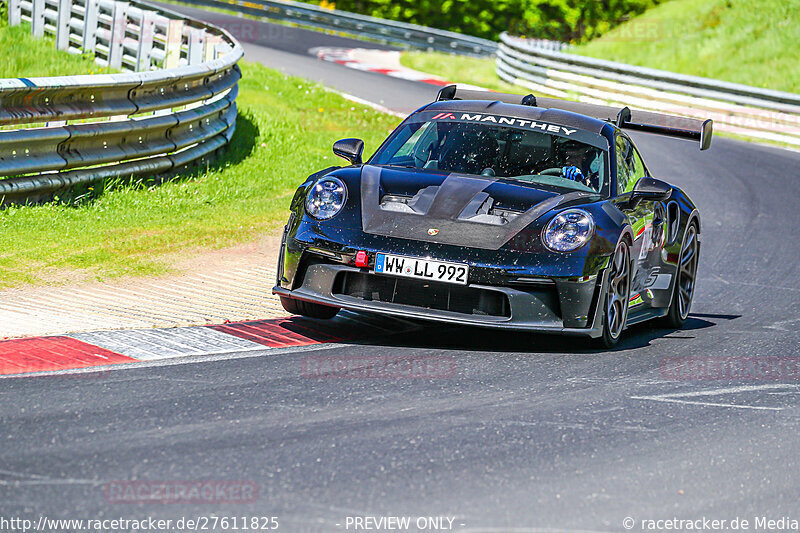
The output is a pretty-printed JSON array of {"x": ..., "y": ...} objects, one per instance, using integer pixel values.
[{"x": 466, "y": 338}]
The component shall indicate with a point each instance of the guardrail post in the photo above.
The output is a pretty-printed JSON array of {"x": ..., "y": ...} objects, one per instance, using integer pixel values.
[
  {"x": 172, "y": 57},
  {"x": 14, "y": 12},
  {"x": 212, "y": 43},
  {"x": 62, "y": 24},
  {"x": 146, "y": 30},
  {"x": 102, "y": 139},
  {"x": 90, "y": 26},
  {"x": 119, "y": 22},
  {"x": 197, "y": 41},
  {"x": 37, "y": 18}
]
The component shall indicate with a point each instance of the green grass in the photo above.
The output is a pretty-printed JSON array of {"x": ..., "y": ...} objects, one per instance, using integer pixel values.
[
  {"x": 26, "y": 57},
  {"x": 461, "y": 69},
  {"x": 754, "y": 42},
  {"x": 285, "y": 131},
  {"x": 236, "y": 13}
]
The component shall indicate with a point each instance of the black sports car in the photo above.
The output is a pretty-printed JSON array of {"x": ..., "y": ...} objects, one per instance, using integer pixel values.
[{"x": 498, "y": 210}]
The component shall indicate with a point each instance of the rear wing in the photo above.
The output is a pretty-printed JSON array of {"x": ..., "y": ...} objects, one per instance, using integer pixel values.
[{"x": 623, "y": 117}]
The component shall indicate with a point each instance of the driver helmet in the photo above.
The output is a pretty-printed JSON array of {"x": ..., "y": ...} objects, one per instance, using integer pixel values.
[{"x": 571, "y": 148}]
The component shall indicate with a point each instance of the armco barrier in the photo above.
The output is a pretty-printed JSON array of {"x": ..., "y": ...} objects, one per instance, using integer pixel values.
[
  {"x": 388, "y": 31},
  {"x": 176, "y": 107},
  {"x": 748, "y": 111}
]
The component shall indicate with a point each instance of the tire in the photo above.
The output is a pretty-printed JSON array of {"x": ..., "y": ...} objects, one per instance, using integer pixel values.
[
  {"x": 311, "y": 310},
  {"x": 683, "y": 291},
  {"x": 617, "y": 297}
]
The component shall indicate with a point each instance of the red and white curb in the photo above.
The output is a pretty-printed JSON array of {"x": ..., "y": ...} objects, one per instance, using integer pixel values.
[
  {"x": 381, "y": 62},
  {"x": 64, "y": 353},
  {"x": 179, "y": 301}
]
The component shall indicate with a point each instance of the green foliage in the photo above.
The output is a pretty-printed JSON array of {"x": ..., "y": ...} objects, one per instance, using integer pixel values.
[
  {"x": 577, "y": 20},
  {"x": 563, "y": 20},
  {"x": 753, "y": 42},
  {"x": 37, "y": 57},
  {"x": 478, "y": 71},
  {"x": 285, "y": 131}
]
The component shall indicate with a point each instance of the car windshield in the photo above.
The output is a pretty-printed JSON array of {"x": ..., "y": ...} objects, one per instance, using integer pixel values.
[{"x": 562, "y": 159}]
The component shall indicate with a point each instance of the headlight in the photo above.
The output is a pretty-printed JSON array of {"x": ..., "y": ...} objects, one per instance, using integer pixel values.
[
  {"x": 326, "y": 198},
  {"x": 569, "y": 230}
]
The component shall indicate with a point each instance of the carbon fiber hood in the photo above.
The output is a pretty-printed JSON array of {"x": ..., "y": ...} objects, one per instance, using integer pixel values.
[{"x": 474, "y": 211}]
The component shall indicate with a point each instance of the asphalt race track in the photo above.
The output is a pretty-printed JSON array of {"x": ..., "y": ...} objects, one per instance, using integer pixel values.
[{"x": 527, "y": 433}]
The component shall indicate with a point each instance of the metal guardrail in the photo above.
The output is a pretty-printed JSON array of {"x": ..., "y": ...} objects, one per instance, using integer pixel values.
[
  {"x": 748, "y": 111},
  {"x": 387, "y": 31},
  {"x": 176, "y": 107}
]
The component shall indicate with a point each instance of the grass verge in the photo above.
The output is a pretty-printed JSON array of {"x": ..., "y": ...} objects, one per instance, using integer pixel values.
[
  {"x": 753, "y": 42},
  {"x": 285, "y": 131},
  {"x": 478, "y": 71},
  {"x": 241, "y": 32},
  {"x": 28, "y": 57},
  {"x": 742, "y": 41}
]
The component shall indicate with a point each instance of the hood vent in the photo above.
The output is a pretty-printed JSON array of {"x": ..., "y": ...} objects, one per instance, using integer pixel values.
[
  {"x": 481, "y": 209},
  {"x": 418, "y": 204},
  {"x": 459, "y": 208}
]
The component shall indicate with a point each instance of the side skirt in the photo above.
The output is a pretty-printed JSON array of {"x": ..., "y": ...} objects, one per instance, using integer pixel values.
[{"x": 645, "y": 314}]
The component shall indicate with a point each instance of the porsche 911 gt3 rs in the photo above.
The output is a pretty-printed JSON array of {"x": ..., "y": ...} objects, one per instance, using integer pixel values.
[{"x": 500, "y": 211}]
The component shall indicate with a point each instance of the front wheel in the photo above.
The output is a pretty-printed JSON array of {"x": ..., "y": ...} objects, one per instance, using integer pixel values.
[
  {"x": 615, "y": 308},
  {"x": 311, "y": 310},
  {"x": 683, "y": 292}
]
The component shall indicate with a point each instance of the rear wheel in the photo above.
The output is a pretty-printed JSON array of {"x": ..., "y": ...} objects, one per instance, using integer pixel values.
[
  {"x": 615, "y": 308},
  {"x": 311, "y": 310},
  {"x": 683, "y": 292}
]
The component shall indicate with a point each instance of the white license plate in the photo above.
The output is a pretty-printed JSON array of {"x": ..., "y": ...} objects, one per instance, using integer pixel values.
[{"x": 414, "y": 267}]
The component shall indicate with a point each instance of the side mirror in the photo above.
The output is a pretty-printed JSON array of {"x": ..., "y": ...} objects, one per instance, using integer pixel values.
[
  {"x": 349, "y": 149},
  {"x": 651, "y": 189}
]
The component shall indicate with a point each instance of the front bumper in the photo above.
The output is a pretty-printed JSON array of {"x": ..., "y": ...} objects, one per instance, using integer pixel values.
[
  {"x": 536, "y": 290},
  {"x": 562, "y": 305}
]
